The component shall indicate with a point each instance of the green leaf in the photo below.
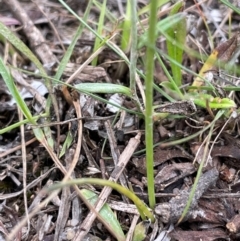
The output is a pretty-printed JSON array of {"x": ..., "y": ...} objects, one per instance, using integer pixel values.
[
  {"x": 106, "y": 212},
  {"x": 140, "y": 231},
  {"x": 205, "y": 100},
  {"x": 67, "y": 144},
  {"x": 20, "y": 102},
  {"x": 18, "y": 44},
  {"x": 141, "y": 206},
  {"x": 14, "y": 92},
  {"x": 104, "y": 88}
]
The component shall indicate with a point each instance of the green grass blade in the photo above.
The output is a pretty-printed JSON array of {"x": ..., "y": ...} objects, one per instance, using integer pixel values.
[
  {"x": 143, "y": 209},
  {"x": 151, "y": 37},
  {"x": 163, "y": 93},
  {"x": 191, "y": 137},
  {"x": 177, "y": 32},
  {"x": 67, "y": 143},
  {"x": 171, "y": 90},
  {"x": 161, "y": 28},
  {"x": 18, "y": 44},
  {"x": 126, "y": 28},
  {"x": 106, "y": 213},
  {"x": 108, "y": 14},
  {"x": 14, "y": 92},
  {"x": 230, "y": 5},
  {"x": 16, "y": 125},
  {"x": 70, "y": 49},
  {"x": 20, "y": 102},
  {"x": 116, "y": 49},
  {"x": 146, "y": 9},
  {"x": 199, "y": 172},
  {"x": 172, "y": 83},
  {"x": 99, "y": 30},
  {"x": 134, "y": 40}
]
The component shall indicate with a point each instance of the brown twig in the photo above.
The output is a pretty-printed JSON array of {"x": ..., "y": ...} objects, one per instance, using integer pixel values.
[
  {"x": 36, "y": 40},
  {"x": 123, "y": 160}
]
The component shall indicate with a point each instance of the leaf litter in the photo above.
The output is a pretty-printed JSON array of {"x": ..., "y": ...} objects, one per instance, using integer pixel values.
[{"x": 213, "y": 214}]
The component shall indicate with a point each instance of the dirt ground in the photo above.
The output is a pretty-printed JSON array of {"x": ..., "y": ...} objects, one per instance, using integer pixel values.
[{"x": 109, "y": 143}]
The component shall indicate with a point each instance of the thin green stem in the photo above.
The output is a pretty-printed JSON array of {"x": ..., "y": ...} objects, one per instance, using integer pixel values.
[
  {"x": 70, "y": 49},
  {"x": 177, "y": 142},
  {"x": 149, "y": 101},
  {"x": 199, "y": 172},
  {"x": 133, "y": 55},
  {"x": 170, "y": 77},
  {"x": 109, "y": 44},
  {"x": 26, "y": 121},
  {"x": 99, "y": 30},
  {"x": 126, "y": 27},
  {"x": 143, "y": 209}
]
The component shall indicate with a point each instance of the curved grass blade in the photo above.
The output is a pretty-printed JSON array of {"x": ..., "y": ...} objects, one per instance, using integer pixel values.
[
  {"x": 230, "y": 5},
  {"x": 14, "y": 92},
  {"x": 18, "y": 44},
  {"x": 70, "y": 49},
  {"x": 142, "y": 208}
]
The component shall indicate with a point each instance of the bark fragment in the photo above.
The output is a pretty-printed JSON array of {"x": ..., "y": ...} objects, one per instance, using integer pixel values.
[{"x": 171, "y": 212}]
